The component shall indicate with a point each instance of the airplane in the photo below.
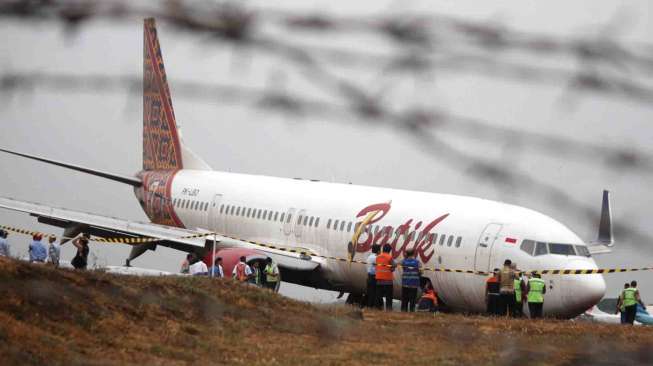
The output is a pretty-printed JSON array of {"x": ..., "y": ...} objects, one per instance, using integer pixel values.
[{"x": 308, "y": 220}]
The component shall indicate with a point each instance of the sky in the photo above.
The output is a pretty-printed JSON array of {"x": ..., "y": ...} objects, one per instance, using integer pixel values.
[{"x": 103, "y": 129}]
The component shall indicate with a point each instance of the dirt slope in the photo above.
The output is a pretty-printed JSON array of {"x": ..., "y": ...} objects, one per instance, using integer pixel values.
[{"x": 55, "y": 317}]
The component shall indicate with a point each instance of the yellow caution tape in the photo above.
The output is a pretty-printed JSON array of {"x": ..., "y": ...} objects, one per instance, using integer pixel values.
[
  {"x": 116, "y": 240},
  {"x": 305, "y": 252}
]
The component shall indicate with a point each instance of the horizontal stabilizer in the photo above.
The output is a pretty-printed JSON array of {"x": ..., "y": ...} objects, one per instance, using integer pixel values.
[{"x": 115, "y": 177}]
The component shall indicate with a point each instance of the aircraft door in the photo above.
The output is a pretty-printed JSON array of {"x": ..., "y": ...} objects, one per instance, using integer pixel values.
[
  {"x": 298, "y": 225},
  {"x": 484, "y": 248},
  {"x": 215, "y": 223},
  {"x": 288, "y": 221}
]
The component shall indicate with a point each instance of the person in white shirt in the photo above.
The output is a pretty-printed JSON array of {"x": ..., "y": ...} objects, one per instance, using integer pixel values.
[
  {"x": 372, "y": 298},
  {"x": 4, "y": 245},
  {"x": 198, "y": 268},
  {"x": 241, "y": 271},
  {"x": 54, "y": 251}
]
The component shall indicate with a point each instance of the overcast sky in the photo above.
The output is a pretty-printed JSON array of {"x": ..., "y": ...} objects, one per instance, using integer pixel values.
[{"x": 103, "y": 130}]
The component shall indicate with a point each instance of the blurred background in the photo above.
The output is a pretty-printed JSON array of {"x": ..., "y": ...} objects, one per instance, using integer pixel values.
[{"x": 539, "y": 104}]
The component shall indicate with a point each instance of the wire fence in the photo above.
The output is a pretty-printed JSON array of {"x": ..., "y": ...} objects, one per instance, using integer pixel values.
[{"x": 407, "y": 46}]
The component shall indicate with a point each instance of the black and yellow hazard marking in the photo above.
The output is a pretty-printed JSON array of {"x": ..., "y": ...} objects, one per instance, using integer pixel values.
[
  {"x": 308, "y": 253},
  {"x": 114, "y": 240}
]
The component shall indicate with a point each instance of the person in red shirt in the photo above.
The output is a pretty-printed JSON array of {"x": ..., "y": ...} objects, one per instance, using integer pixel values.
[{"x": 492, "y": 293}]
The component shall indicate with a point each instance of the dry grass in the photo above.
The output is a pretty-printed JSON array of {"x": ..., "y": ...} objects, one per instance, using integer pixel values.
[{"x": 62, "y": 317}]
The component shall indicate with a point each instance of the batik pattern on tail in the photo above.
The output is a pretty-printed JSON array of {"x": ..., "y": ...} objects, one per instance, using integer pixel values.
[
  {"x": 156, "y": 197},
  {"x": 161, "y": 146}
]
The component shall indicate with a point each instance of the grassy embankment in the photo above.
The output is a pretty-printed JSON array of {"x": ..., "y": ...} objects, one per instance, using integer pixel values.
[{"x": 55, "y": 317}]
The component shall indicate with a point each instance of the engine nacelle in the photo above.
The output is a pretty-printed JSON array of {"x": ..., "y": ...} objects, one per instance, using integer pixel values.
[{"x": 231, "y": 257}]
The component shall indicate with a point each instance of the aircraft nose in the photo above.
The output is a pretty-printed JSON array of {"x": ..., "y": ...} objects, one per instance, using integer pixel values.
[{"x": 583, "y": 291}]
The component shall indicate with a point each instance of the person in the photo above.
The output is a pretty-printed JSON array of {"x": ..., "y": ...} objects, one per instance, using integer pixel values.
[
  {"x": 241, "y": 272},
  {"x": 37, "y": 251},
  {"x": 198, "y": 267},
  {"x": 216, "y": 269},
  {"x": 507, "y": 277},
  {"x": 185, "y": 265},
  {"x": 536, "y": 289},
  {"x": 255, "y": 278},
  {"x": 492, "y": 293},
  {"x": 80, "y": 261},
  {"x": 385, "y": 266},
  {"x": 520, "y": 295},
  {"x": 271, "y": 274},
  {"x": 5, "y": 250},
  {"x": 630, "y": 300},
  {"x": 411, "y": 272},
  {"x": 372, "y": 299},
  {"x": 429, "y": 299},
  {"x": 54, "y": 251},
  {"x": 620, "y": 304}
]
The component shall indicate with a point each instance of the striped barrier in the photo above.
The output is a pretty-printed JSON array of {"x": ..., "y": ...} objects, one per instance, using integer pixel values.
[{"x": 305, "y": 252}]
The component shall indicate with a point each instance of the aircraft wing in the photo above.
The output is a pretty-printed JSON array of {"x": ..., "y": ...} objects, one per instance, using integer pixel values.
[{"x": 74, "y": 222}]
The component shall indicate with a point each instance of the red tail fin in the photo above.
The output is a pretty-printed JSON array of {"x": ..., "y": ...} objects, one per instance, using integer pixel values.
[{"x": 161, "y": 144}]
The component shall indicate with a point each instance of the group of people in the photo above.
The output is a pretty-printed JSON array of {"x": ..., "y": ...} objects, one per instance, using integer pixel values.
[
  {"x": 40, "y": 253},
  {"x": 380, "y": 282},
  {"x": 242, "y": 272},
  {"x": 627, "y": 303},
  {"x": 508, "y": 289}
]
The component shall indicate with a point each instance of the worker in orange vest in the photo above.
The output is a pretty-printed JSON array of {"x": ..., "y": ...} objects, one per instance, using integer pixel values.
[{"x": 385, "y": 266}]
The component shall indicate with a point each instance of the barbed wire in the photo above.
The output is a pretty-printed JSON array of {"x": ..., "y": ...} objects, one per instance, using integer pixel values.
[
  {"x": 421, "y": 42},
  {"x": 414, "y": 44}
]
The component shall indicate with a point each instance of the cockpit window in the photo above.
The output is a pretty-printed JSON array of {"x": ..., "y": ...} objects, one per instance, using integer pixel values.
[
  {"x": 527, "y": 246},
  {"x": 563, "y": 249},
  {"x": 540, "y": 248},
  {"x": 582, "y": 250}
]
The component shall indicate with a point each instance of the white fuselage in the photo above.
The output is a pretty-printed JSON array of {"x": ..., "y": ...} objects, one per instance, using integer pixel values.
[{"x": 476, "y": 234}]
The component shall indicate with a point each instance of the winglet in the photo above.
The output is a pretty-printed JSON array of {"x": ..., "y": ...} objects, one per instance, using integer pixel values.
[{"x": 605, "y": 224}]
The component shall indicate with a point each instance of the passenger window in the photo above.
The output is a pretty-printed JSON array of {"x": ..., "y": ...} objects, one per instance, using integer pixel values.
[
  {"x": 258, "y": 213},
  {"x": 342, "y": 225},
  {"x": 276, "y": 216},
  {"x": 317, "y": 221},
  {"x": 450, "y": 240},
  {"x": 282, "y": 215},
  {"x": 458, "y": 241},
  {"x": 434, "y": 238},
  {"x": 358, "y": 224},
  {"x": 299, "y": 220},
  {"x": 329, "y": 224},
  {"x": 442, "y": 239},
  {"x": 527, "y": 246},
  {"x": 221, "y": 208},
  {"x": 420, "y": 236},
  {"x": 305, "y": 220},
  {"x": 232, "y": 210},
  {"x": 265, "y": 214},
  {"x": 238, "y": 211},
  {"x": 540, "y": 248},
  {"x": 310, "y": 222},
  {"x": 349, "y": 227},
  {"x": 335, "y": 225},
  {"x": 289, "y": 218}
]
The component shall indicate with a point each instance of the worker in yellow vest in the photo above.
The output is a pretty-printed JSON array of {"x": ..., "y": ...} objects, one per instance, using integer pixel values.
[
  {"x": 536, "y": 289},
  {"x": 271, "y": 275},
  {"x": 520, "y": 290},
  {"x": 630, "y": 300}
]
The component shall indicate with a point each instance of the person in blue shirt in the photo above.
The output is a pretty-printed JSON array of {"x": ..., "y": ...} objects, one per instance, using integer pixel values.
[
  {"x": 4, "y": 244},
  {"x": 37, "y": 251},
  {"x": 372, "y": 298},
  {"x": 216, "y": 269},
  {"x": 411, "y": 272}
]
